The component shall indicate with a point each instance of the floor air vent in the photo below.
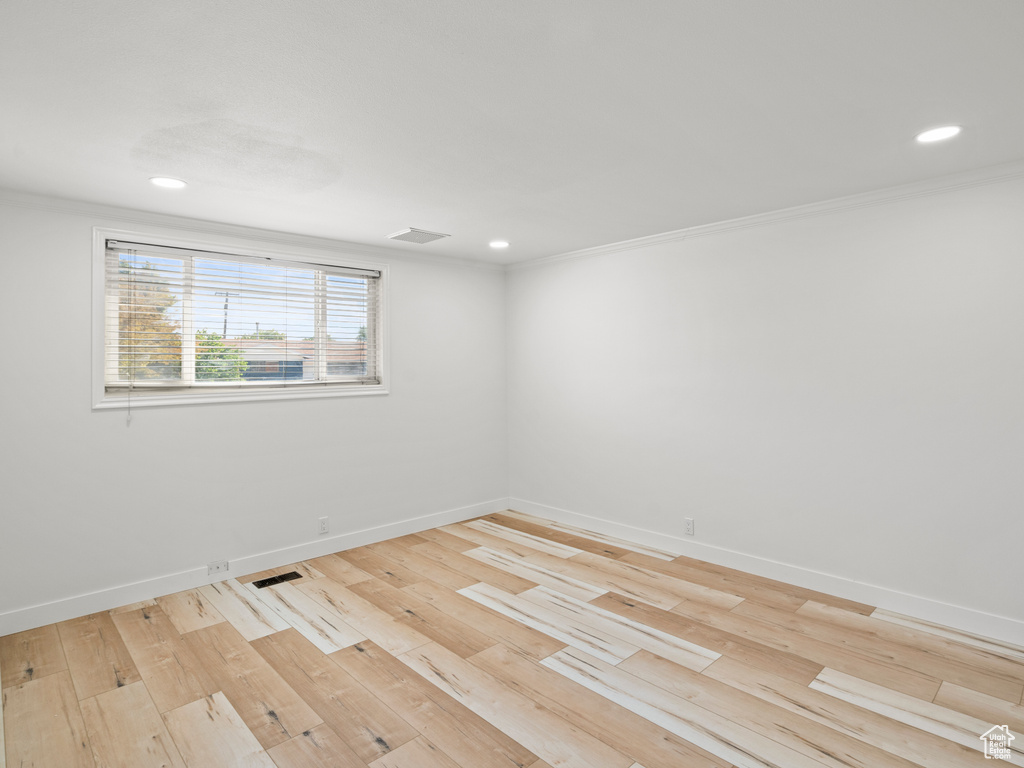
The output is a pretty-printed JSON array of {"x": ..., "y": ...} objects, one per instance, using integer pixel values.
[{"x": 269, "y": 582}]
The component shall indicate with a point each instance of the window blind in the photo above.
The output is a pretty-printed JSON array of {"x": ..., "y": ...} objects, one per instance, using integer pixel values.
[{"x": 189, "y": 319}]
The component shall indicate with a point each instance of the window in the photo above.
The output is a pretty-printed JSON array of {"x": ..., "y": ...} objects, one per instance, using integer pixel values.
[{"x": 197, "y": 324}]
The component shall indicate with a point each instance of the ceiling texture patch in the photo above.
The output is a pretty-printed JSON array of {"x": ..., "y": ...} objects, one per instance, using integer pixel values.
[{"x": 233, "y": 155}]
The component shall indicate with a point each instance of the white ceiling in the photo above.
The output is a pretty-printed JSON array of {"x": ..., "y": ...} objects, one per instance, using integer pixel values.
[{"x": 554, "y": 124}]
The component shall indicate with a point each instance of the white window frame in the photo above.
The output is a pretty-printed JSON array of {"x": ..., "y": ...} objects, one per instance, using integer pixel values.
[{"x": 300, "y": 255}]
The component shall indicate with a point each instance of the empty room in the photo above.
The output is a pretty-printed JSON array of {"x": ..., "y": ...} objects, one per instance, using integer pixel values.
[{"x": 563, "y": 384}]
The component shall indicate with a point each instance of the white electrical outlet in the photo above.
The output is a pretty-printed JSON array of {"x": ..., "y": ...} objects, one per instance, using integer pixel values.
[
  {"x": 689, "y": 525},
  {"x": 218, "y": 566},
  {"x": 323, "y": 526}
]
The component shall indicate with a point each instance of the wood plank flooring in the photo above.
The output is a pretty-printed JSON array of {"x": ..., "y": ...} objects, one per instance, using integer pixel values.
[
  {"x": 508, "y": 641},
  {"x": 3, "y": 742}
]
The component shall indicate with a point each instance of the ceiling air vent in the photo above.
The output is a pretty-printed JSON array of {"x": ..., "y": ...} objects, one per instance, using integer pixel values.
[{"x": 411, "y": 235}]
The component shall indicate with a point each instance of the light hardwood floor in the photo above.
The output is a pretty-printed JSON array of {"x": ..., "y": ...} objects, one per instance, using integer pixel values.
[{"x": 504, "y": 642}]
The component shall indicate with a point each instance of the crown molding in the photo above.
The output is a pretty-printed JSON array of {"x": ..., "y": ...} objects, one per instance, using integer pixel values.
[
  {"x": 943, "y": 184},
  {"x": 980, "y": 177},
  {"x": 17, "y": 199}
]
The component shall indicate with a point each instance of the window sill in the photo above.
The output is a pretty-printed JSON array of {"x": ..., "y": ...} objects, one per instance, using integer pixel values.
[{"x": 143, "y": 399}]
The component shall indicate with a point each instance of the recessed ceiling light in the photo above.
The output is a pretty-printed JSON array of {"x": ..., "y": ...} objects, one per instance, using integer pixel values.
[
  {"x": 938, "y": 134},
  {"x": 164, "y": 181},
  {"x": 499, "y": 244}
]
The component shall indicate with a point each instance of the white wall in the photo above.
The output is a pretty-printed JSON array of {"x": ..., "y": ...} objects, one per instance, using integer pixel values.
[
  {"x": 837, "y": 399},
  {"x": 840, "y": 393},
  {"x": 90, "y": 505}
]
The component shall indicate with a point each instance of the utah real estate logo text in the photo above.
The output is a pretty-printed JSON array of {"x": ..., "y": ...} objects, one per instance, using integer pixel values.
[{"x": 997, "y": 742}]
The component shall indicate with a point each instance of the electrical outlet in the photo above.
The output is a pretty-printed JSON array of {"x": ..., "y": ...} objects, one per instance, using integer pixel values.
[
  {"x": 323, "y": 526},
  {"x": 689, "y": 525},
  {"x": 218, "y": 566}
]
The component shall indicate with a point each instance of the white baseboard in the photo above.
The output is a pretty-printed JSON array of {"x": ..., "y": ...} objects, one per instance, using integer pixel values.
[
  {"x": 125, "y": 594},
  {"x": 956, "y": 616}
]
